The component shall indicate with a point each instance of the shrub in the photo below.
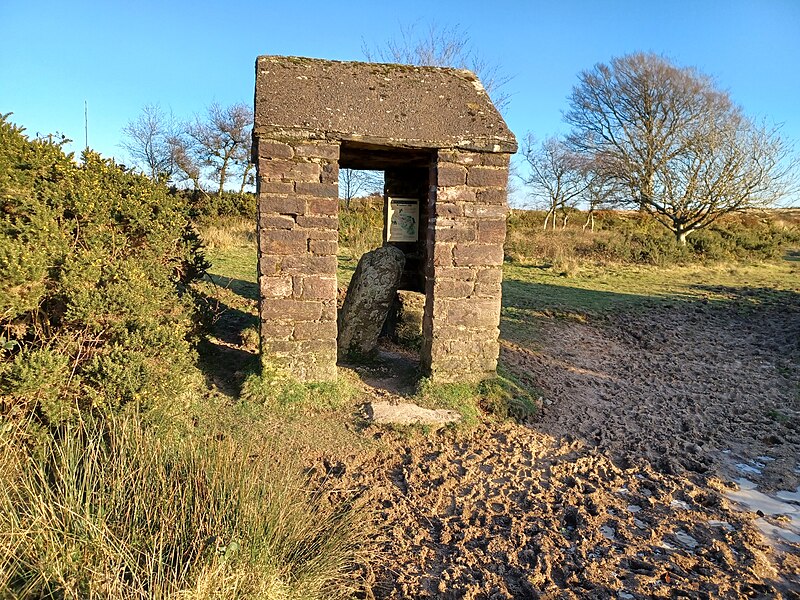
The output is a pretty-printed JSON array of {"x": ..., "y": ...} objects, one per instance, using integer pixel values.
[
  {"x": 208, "y": 206},
  {"x": 95, "y": 266}
]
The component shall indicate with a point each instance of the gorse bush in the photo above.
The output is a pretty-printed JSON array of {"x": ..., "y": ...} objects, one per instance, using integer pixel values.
[
  {"x": 207, "y": 206},
  {"x": 111, "y": 510},
  {"x": 95, "y": 267}
]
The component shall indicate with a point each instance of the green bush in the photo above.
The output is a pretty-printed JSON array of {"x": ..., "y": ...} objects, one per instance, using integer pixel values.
[
  {"x": 207, "y": 206},
  {"x": 95, "y": 268}
]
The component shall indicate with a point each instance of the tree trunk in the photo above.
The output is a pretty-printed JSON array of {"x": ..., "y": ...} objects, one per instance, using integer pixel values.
[
  {"x": 589, "y": 220},
  {"x": 547, "y": 218},
  {"x": 247, "y": 170}
]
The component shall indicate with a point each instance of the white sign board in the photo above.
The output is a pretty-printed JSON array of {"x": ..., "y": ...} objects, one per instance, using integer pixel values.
[{"x": 402, "y": 220}]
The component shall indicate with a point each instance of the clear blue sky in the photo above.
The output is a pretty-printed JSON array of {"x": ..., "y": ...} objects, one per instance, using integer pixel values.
[{"x": 119, "y": 56}]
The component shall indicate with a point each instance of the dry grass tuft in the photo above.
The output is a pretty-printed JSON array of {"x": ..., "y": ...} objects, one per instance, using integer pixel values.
[{"x": 116, "y": 511}]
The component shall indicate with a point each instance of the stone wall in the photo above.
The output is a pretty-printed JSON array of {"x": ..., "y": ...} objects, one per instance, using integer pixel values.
[
  {"x": 465, "y": 239},
  {"x": 298, "y": 214}
]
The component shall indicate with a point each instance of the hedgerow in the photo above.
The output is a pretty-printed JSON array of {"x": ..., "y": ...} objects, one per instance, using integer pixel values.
[{"x": 95, "y": 267}]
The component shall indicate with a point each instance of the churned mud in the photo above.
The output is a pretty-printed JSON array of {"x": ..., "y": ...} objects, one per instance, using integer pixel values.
[{"x": 625, "y": 486}]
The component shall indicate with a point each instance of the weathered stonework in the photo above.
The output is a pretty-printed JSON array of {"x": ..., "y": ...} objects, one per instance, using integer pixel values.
[
  {"x": 297, "y": 245},
  {"x": 464, "y": 265},
  {"x": 438, "y": 138}
]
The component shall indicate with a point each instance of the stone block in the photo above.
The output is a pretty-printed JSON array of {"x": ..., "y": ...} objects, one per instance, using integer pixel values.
[
  {"x": 318, "y": 287},
  {"x": 276, "y": 330},
  {"x": 317, "y": 150},
  {"x": 280, "y": 351},
  {"x": 441, "y": 254},
  {"x": 488, "y": 290},
  {"x": 474, "y": 312},
  {"x": 315, "y": 330},
  {"x": 460, "y": 157},
  {"x": 490, "y": 275},
  {"x": 487, "y": 177},
  {"x": 308, "y": 264},
  {"x": 485, "y": 211},
  {"x": 449, "y": 288},
  {"x": 291, "y": 309},
  {"x": 455, "y": 195},
  {"x": 304, "y": 172},
  {"x": 283, "y": 241},
  {"x": 490, "y": 231},
  {"x": 272, "y": 149},
  {"x": 275, "y": 187},
  {"x": 279, "y": 204},
  {"x": 268, "y": 264},
  {"x": 322, "y": 190},
  {"x": 490, "y": 159},
  {"x": 449, "y": 174},
  {"x": 454, "y": 230},
  {"x": 323, "y": 247},
  {"x": 478, "y": 255},
  {"x": 274, "y": 169},
  {"x": 493, "y": 195},
  {"x": 318, "y": 221},
  {"x": 448, "y": 209},
  {"x": 457, "y": 273},
  {"x": 330, "y": 173},
  {"x": 323, "y": 206},
  {"x": 276, "y": 287},
  {"x": 275, "y": 221},
  {"x": 323, "y": 235}
]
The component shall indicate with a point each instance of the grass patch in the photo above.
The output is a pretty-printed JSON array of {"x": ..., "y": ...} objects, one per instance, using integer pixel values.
[
  {"x": 501, "y": 397},
  {"x": 117, "y": 511},
  {"x": 602, "y": 289},
  {"x": 224, "y": 233},
  {"x": 272, "y": 388}
]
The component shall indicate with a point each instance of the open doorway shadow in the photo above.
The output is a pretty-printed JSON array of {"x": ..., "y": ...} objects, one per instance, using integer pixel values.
[{"x": 393, "y": 370}]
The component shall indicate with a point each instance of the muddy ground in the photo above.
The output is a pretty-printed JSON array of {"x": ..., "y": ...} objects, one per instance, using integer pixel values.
[{"x": 617, "y": 489}]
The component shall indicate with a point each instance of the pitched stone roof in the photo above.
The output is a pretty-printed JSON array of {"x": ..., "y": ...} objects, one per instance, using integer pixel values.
[{"x": 373, "y": 103}]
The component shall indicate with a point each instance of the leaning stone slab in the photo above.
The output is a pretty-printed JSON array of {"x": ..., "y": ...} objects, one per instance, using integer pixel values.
[
  {"x": 368, "y": 299},
  {"x": 383, "y": 413}
]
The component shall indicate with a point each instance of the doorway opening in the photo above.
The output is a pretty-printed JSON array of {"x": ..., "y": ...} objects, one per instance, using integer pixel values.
[{"x": 395, "y": 215}]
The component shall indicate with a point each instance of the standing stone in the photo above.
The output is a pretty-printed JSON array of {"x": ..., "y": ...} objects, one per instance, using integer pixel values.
[
  {"x": 404, "y": 324},
  {"x": 368, "y": 299}
]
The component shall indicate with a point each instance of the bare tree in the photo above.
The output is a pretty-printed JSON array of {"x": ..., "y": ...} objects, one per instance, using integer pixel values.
[
  {"x": 437, "y": 46},
  {"x": 146, "y": 139},
  {"x": 221, "y": 141},
  {"x": 557, "y": 176},
  {"x": 354, "y": 182},
  {"x": 682, "y": 148},
  {"x": 183, "y": 153}
]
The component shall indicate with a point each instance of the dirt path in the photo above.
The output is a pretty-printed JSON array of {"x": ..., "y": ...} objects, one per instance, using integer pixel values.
[{"x": 618, "y": 490}]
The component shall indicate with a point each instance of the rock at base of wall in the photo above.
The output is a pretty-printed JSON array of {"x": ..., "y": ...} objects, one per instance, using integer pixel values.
[
  {"x": 404, "y": 324},
  {"x": 369, "y": 296},
  {"x": 384, "y": 413}
]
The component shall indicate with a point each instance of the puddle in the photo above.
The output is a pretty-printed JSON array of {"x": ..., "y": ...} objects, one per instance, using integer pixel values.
[
  {"x": 749, "y": 498},
  {"x": 750, "y": 470}
]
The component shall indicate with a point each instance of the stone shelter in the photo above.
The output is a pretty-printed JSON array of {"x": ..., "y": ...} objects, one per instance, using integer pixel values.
[{"x": 444, "y": 149}]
